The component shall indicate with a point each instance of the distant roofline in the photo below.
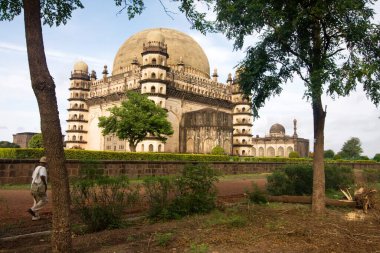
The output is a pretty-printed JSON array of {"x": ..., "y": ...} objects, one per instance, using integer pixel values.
[{"x": 25, "y": 133}]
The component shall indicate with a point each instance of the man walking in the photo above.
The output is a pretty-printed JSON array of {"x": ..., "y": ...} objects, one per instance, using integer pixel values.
[{"x": 39, "y": 188}]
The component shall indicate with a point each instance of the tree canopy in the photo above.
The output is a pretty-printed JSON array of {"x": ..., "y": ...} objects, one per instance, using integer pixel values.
[
  {"x": 351, "y": 149},
  {"x": 36, "y": 141},
  {"x": 329, "y": 154},
  {"x": 7, "y": 144},
  {"x": 137, "y": 117},
  {"x": 331, "y": 45}
]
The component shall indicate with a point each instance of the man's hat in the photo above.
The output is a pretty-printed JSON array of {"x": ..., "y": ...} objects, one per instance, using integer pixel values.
[{"x": 43, "y": 159}]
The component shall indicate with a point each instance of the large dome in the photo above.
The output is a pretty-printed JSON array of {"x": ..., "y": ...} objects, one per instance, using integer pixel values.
[{"x": 180, "y": 47}]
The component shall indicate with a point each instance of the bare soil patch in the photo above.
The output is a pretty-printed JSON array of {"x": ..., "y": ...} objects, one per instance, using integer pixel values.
[{"x": 239, "y": 227}]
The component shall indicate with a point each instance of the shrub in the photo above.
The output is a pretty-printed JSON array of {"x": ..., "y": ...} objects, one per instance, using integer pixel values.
[
  {"x": 157, "y": 190},
  {"x": 195, "y": 191},
  {"x": 101, "y": 200},
  {"x": 218, "y": 150},
  {"x": 371, "y": 176},
  {"x": 256, "y": 195},
  {"x": 338, "y": 176},
  {"x": 298, "y": 179},
  {"x": 279, "y": 184},
  {"x": 294, "y": 154}
]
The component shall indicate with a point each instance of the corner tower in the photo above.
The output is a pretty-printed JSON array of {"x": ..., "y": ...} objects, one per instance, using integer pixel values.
[
  {"x": 242, "y": 122},
  {"x": 153, "y": 81},
  {"x": 78, "y": 108}
]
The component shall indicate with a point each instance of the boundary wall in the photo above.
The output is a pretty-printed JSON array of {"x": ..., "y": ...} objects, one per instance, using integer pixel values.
[{"x": 20, "y": 171}]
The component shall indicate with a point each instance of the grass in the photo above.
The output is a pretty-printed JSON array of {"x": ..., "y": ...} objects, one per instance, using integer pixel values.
[
  {"x": 15, "y": 187},
  {"x": 199, "y": 248},
  {"x": 244, "y": 176},
  {"x": 231, "y": 220}
]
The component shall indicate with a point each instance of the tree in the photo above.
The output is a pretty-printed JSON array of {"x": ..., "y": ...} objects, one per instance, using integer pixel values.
[
  {"x": 351, "y": 149},
  {"x": 7, "y": 144},
  {"x": 57, "y": 12},
  {"x": 331, "y": 45},
  {"x": 135, "y": 119},
  {"x": 36, "y": 141},
  {"x": 294, "y": 154},
  {"x": 377, "y": 157},
  {"x": 50, "y": 12},
  {"x": 329, "y": 154},
  {"x": 218, "y": 150}
]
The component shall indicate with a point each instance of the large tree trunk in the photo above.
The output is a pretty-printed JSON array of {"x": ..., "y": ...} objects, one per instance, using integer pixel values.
[
  {"x": 318, "y": 200},
  {"x": 44, "y": 90},
  {"x": 132, "y": 147}
]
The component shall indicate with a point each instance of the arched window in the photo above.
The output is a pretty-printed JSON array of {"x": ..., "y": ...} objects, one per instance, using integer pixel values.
[
  {"x": 153, "y": 75},
  {"x": 74, "y": 127},
  {"x": 243, "y": 109},
  {"x": 75, "y": 116},
  {"x": 80, "y": 138},
  {"x": 243, "y": 152},
  {"x": 153, "y": 89},
  {"x": 154, "y": 61},
  {"x": 151, "y": 148},
  {"x": 159, "y": 148},
  {"x": 243, "y": 131},
  {"x": 261, "y": 151},
  {"x": 142, "y": 147},
  {"x": 280, "y": 152},
  {"x": 160, "y": 103},
  {"x": 74, "y": 138},
  {"x": 244, "y": 141},
  {"x": 161, "y": 90},
  {"x": 271, "y": 152},
  {"x": 80, "y": 127}
]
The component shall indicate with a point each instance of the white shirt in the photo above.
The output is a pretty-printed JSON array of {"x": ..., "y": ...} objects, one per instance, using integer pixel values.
[{"x": 37, "y": 173}]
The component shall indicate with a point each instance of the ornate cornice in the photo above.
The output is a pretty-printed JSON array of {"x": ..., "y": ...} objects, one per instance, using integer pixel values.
[{"x": 171, "y": 91}]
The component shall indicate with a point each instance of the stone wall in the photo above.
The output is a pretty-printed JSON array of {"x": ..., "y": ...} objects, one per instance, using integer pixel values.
[{"x": 20, "y": 171}]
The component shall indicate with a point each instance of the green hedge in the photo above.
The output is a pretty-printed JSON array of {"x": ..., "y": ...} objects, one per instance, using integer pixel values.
[
  {"x": 75, "y": 154},
  {"x": 13, "y": 153}
]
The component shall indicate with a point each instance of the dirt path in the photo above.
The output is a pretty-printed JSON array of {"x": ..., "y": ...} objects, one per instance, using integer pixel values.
[{"x": 14, "y": 203}]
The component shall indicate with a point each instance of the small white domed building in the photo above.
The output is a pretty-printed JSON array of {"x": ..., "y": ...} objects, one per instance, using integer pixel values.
[
  {"x": 172, "y": 70},
  {"x": 278, "y": 144}
]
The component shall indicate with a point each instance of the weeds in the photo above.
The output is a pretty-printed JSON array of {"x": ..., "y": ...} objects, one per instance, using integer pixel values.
[
  {"x": 163, "y": 239},
  {"x": 230, "y": 220},
  {"x": 198, "y": 248}
]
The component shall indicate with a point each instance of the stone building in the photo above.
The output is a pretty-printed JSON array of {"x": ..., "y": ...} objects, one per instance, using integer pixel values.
[
  {"x": 277, "y": 143},
  {"x": 22, "y": 139},
  {"x": 172, "y": 70}
]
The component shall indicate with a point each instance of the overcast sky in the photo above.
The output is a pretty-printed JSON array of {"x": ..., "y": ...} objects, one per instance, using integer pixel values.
[{"x": 94, "y": 35}]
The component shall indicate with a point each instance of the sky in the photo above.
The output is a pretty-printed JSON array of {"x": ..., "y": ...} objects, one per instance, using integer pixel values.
[{"x": 95, "y": 33}]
